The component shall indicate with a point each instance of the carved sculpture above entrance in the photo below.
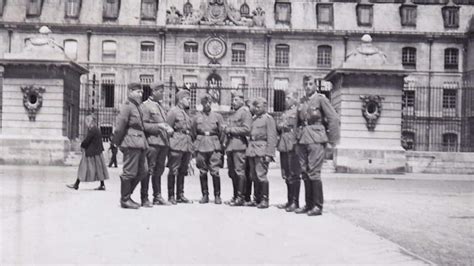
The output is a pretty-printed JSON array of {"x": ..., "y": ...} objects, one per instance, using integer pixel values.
[
  {"x": 32, "y": 100},
  {"x": 215, "y": 12},
  {"x": 371, "y": 110}
]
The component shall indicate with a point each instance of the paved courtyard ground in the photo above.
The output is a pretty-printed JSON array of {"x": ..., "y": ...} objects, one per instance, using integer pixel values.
[{"x": 366, "y": 221}]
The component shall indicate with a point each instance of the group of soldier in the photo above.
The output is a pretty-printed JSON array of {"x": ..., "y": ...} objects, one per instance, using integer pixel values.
[{"x": 149, "y": 135}]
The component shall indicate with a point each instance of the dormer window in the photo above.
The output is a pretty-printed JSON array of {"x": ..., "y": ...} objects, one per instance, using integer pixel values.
[
  {"x": 33, "y": 8},
  {"x": 365, "y": 15},
  {"x": 408, "y": 15},
  {"x": 111, "y": 9},
  {"x": 2, "y": 5},
  {"x": 149, "y": 8},
  {"x": 73, "y": 8},
  {"x": 324, "y": 14},
  {"x": 450, "y": 16},
  {"x": 283, "y": 12}
]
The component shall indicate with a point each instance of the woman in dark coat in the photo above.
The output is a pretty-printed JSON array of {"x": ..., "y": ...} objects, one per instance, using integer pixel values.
[{"x": 92, "y": 166}]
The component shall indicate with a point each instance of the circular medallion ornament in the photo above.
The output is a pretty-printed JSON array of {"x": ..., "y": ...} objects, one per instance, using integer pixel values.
[{"x": 215, "y": 48}]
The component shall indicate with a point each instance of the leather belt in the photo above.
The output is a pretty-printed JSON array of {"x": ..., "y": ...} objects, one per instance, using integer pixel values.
[
  {"x": 252, "y": 138},
  {"x": 306, "y": 123},
  {"x": 207, "y": 133},
  {"x": 184, "y": 131},
  {"x": 287, "y": 129}
]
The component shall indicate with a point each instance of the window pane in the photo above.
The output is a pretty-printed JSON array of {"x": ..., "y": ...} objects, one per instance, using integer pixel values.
[
  {"x": 108, "y": 90},
  {"x": 147, "y": 52},
  {"x": 34, "y": 8},
  {"x": 238, "y": 53},
  {"x": 148, "y": 9},
  {"x": 324, "y": 14},
  {"x": 109, "y": 50},
  {"x": 190, "y": 53},
  {"x": 324, "y": 56},
  {"x": 281, "y": 55}
]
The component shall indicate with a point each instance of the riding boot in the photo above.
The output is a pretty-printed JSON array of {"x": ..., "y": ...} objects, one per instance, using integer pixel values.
[
  {"x": 234, "y": 188},
  {"x": 216, "y": 183},
  {"x": 125, "y": 201},
  {"x": 295, "y": 194},
  {"x": 288, "y": 198},
  {"x": 308, "y": 198},
  {"x": 239, "y": 201},
  {"x": 204, "y": 188},
  {"x": 318, "y": 199},
  {"x": 171, "y": 182},
  {"x": 180, "y": 198},
  {"x": 264, "y": 203}
]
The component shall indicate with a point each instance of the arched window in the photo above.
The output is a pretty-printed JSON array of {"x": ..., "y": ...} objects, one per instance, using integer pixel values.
[
  {"x": 238, "y": 53},
  {"x": 244, "y": 10},
  {"x": 324, "y": 56},
  {"x": 190, "y": 53},
  {"x": 187, "y": 9},
  {"x": 282, "y": 52},
  {"x": 70, "y": 49},
  {"x": 147, "y": 52},
  {"x": 450, "y": 142},
  {"x": 409, "y": 57},
  {"x": 109, "y": 51}
]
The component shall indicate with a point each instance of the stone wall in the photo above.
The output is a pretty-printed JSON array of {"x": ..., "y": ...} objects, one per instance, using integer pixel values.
[{"x": 440, "y": 162}]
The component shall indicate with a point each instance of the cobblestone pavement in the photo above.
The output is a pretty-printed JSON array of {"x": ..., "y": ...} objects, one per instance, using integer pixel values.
[{"x": 43, "y": 222}]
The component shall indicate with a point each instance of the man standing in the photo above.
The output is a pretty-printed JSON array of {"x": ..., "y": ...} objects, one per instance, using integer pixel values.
[
  {"x": 314, "y": 111},
  {"x": 157, "y": 132},
  {"x": 289, "y": 161},
  {"x": 261, "y": 149},
  {"x": 181, "y": 146},
  {"x": 207, "y": 126},
  {"x": 237, "y": 132},
  {"x": 114, "y": 150},
  {"x": 249, "y": 202},
  {"x": 129, "y": 135}
]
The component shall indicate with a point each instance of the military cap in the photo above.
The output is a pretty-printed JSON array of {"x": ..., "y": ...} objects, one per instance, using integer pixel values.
[
  {"x": 237, "y": 93},
  {"x": 206, "y": 98},
  {"x": 134, "y": 86},
  {"x": 182, "y": 94},
  {"x": 259, "y": 100},
  {"x": 157, "y": 85}
]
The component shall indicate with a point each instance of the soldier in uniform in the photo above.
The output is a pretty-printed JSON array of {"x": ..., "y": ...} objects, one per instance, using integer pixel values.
[
  {"x": 157, "y": 132},
  {"x": 237, "y": 132},
  {"x": 289, "y": 161},
  {"x": 248, "y": 181},
  {"x": 261, "y": 149},
  {"x": 207, "y": 126},
  {"x": 181, "y": 146},
  {"x": 129, "y": 135},
  {"x": 314, "y": 112}
]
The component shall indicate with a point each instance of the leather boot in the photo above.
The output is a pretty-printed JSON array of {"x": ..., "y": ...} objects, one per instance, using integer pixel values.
[
  {"x": 133, "y": 185},
  {"x": 235, "y": 184},
  {"x": 308, "y": 198},
  {"x": 288, "y": 200},
  {"x": 204, "y": 188},
  {"x": 264, "y": 203},
  {"x": 239, "y": 201},
  {"x": 146, "y": 203},
  {"x": 171, "y": 183},
  {"x": 159, "y": 200},
  {"x": 125, "y": 201},
  {"x": 317, "y": 193},
  {"x": 180, "y": 198},
  {"x": 216, "y": 182},
  {"x": 75, "y": 185},
  {"x": 295, "y": 193},
  {"x": 172, "y": 200}
]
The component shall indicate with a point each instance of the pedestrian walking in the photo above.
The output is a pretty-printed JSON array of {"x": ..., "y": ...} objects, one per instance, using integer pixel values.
[
  {"x": 289, "y": 160},
  {"x": 207, "y": 126},
  {"x": 129, "y": 136},
  {"x": 113, "y": 149},
  {"x": 92, "y": 167},
  {"x": 237, "y": 131},
  {"x": 181, "y": 147},
  {"x": 261, "y": 149},
  {"x": 314, "y": 112},
  {"x": 157, "y": 132}
]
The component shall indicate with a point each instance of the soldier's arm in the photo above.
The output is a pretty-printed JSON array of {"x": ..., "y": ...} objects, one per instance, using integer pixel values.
[
  {"x": 333, "y": 120},
  {"x": 121, "y": 125},
  {"x": 171, "y": 118},
  {"x": 244, "y": 129},
  {"x": 151, "y": 127},
  {"x": 271, "y": 137}
]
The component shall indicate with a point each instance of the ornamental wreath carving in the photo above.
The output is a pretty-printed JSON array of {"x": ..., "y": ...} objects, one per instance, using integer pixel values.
[
  {"x": 371, "y": 110},
  {"x": 32, "y": 100}
]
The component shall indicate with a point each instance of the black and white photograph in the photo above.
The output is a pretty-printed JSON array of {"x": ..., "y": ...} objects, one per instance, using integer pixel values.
[{"x": 249, "y": 132}]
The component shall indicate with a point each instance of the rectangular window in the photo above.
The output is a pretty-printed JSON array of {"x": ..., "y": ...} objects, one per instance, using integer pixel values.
[
  {"x": 190, "y": 53},
  {"x": 109, "y": 51},
  {"x": 147, "y": 52},
  {"x": 149, "y": 8},
  {"x": 449, "y": 98},
  {"x": 282, "y": 52},
  {"x": 450, "y": 142},
  {"x": 70, "y": 49},
  {"x": 108, "y": 90},
  {"x": 190, "y": 82},
  {"x": 111, "y": 9},
  {"x": 238, "y": 54},
  {"x": 146, "y": 80},
  {"x": 283, "y": 12},
  {"x": 34, "y": 8},
  {"x": 72, "y": 8},
  {"x": 324, "y": 14},
  {"x": 409, "y": 57},
  {"x": 451, "y": 59},
  {"x": 451, "y": 17},
  {"x": 408, "y": 15},
  {"x": 364, "y": 15},
  {"x": 408, "y": 99},
  {"x": 324, "y": 56}
]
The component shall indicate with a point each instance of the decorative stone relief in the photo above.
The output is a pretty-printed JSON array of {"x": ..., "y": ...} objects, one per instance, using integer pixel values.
[
  {"x": 215, "y": 48},
  {"x": 216, "y": 12},
  {"x": 371, "y": 110},
  {"x": 32, "y": 100}
]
